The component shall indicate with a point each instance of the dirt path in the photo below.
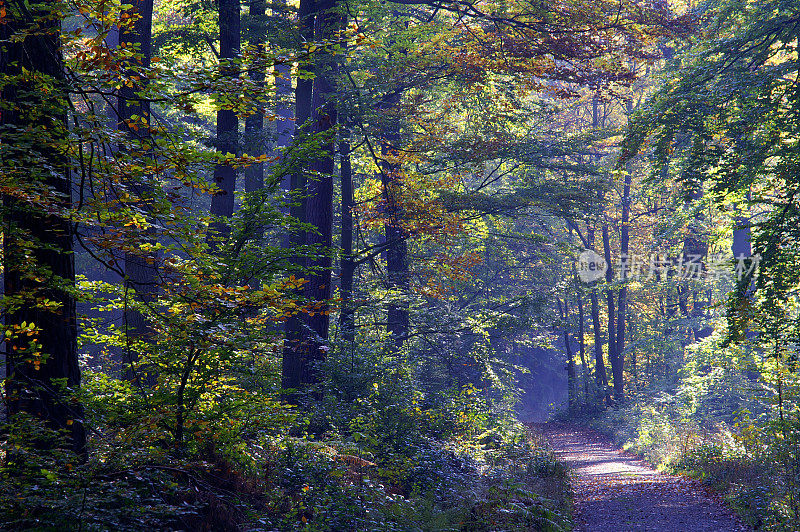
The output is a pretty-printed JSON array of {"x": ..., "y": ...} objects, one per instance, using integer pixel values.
[{"x": 615, "y": 491}]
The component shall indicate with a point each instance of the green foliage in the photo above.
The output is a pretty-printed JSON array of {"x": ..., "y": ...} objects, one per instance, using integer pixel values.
[{"x": 725, "y": 424}]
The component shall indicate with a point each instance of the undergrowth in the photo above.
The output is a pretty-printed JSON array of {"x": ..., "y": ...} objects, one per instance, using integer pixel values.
[
  {"x": 382, "y": 457},
  {"x": 725, "y": 423}
]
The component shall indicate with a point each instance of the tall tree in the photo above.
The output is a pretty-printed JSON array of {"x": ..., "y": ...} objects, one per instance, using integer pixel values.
[
  {"x": 613, "y": 352},
  {"x": 141, "y": 275},
  {"x": 348, "y": 267},
  {"x": 254, "y": 138},
  {"x": 319, "y": 205},
  {"x": 395, "y": 234},
  {"x": 294, "y": 364},
  {"x": 307, "y": 344},
  {"x": 597, "y": 332},
  {"x": 564, "y": 314},
  {"x": 622, "y": 294},
  {"x": 227, "y": 141},
  {"x": 41, "y": 343}
]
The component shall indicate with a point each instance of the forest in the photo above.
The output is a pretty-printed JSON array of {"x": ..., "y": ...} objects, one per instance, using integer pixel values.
[{"x": 338, "y": 265}]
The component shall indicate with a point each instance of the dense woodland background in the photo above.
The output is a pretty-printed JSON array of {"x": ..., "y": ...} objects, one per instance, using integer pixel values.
[{"x": 281, "y": 266}]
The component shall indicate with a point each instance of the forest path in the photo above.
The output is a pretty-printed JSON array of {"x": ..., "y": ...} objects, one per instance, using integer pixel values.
[{"x": 615, "y": 491}]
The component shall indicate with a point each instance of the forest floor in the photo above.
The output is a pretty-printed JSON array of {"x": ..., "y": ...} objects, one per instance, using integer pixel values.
[{"x": 616, "y": 491}]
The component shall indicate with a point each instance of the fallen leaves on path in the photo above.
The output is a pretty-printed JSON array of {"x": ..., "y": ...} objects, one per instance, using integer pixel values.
[{"x": 615, "y": 491}]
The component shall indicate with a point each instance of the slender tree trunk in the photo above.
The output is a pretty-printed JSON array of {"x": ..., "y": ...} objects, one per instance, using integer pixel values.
[
  {"x": 600, "y": 367},
  {"x": 397, "y": 246},
  {"x": 741, "y": 235},
  {"x": 622, "y": 298},
  {"x": 319, "y": 207},
  {"x": 141, "y": 271},
  {"x": 347, "y": 316},
  {"x": 284, "y": 123},
  {"x": 613, "y": 353},
  {"x": 222, "y": 201},
  {"x": 38, "y": 260},
  {"x": 254, "y": 138},
  {"x": 571, "y": 381},
  {"x": 582, "y": 346},
  {"x": 695, "y": 249},
  {"x": 294, "y": 352},
  {"x": 581, "y": 333}
]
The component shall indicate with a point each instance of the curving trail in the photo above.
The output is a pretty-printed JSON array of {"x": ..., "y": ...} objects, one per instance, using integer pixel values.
[{"x": 615, "y": 491}]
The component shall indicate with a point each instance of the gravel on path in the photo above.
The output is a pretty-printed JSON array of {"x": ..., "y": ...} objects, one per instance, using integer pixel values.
[{"x": 615, "y": 491}]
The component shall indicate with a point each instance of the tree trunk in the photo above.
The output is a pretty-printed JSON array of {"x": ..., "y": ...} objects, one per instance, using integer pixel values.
[
  {"x": 347, "y": 316},
  {"x": 319, "y": 207},
  {"x": 141, "y": 271},
  {"x": 254, "y": 138},
  {"x": 600, "y": 367},
  {"x": 396, "y": 244},
  {"x": 302, "y": 351},
  {"x": 695, "y": 248},
  {"x": 571, "y": 381},
  {"x": 284, "y": 123},
  {"x": 622, "y": 297},
  {"x": 613, "y": 352},
  {"x": 227, "y": 142},
  {"x": 37, "y": 244},
  {"x": 741, "y": 235},
  {"x": 582, "y": 346},
  {"x": 294, "y": 357}
]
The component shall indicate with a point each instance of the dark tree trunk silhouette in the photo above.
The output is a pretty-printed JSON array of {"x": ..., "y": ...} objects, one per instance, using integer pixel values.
[
  {"x": 395, "y": 233},
  {"x": 284, "y": 113},
  {"x": 571, "y": 380},
  {"x": 582, "y": 344},
  {"x": 254, "y": 138},
  {"x": 622, "y": 297},
  {"x": 141, "y": 274},
  {"x": 319, "y": 206},
  {"x": 306, "y": 344},
  {"x": 613, "y": 352},
  {"x": 600, "y": 367},
  {"x": 347, "y": 316},
  {"x": 294, "y": 358},
  {"x": 37, "y": 244},
  {"x": 227, "y": 141},
  {"x": 695, "y": 249}
]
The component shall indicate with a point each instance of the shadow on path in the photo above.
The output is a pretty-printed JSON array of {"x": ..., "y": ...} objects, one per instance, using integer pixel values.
[{"x": 615, "y": 491}]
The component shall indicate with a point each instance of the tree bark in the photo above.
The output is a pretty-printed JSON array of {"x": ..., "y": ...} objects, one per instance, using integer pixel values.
[
  {"x": 303, "y": 350},
  {"x": 613, "y": 352},
  {"x": 571, "y": 395},
  {"x": 227, "y": 142},
  {"x": 141, "y": 273},
  {"x": 254, "y": 138},
  {"x": 582, "y": 346},
  {"x": 38, "y": 260},
  {"x": 396, "y": 245},
  {"x": 284, "y": 123},
  {"x": 600, "y": 367},
  {"x": 319, "y": 207},
  {"x": 347, "y": 316},
  {"x": 294, "y": 357},
  {"x": 622, "y": 297}
]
